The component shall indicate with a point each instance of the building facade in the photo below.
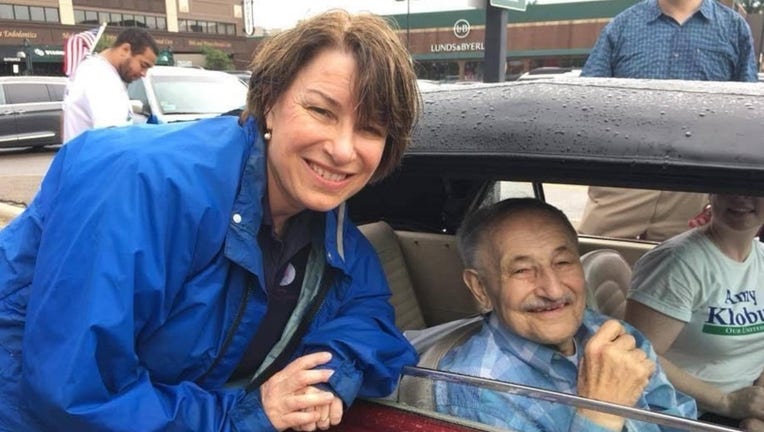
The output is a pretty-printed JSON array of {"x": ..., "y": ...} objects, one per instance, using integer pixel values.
[
  {"x": 32, "y": 32},
  {"x": 449, "y": 45},
  {"x": 444, "y": 45}
]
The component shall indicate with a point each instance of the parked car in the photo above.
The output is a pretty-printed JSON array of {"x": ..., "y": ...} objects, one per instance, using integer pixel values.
[
  {"x": 30, "y": 110},
  {"x": 548, "y": 72},
  {"x": 169, "y": 94},
  {"x": 243, "y": 75},
  {"x": 480, "y": 143}
]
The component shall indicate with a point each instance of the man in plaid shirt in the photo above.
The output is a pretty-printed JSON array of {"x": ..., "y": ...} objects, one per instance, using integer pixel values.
[{"x": 522, "y": 263}]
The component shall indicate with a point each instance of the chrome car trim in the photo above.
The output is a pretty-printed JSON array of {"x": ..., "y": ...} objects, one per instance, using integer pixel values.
[{"x": 567, "y": 399}]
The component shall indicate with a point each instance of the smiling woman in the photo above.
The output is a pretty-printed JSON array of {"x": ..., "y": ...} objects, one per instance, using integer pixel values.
[
  {"x": 213, "y": 278},
  {"x": 695, "y": 296}
]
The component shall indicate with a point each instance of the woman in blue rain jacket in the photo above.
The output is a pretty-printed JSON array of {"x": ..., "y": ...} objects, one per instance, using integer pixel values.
[{"x": 134, "y": 285}]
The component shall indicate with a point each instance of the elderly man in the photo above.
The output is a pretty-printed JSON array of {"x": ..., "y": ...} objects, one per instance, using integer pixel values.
[{"x": 522, "y": 263}]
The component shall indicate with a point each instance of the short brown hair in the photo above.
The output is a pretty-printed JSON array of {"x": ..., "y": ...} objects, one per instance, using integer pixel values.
[{"x": 385, "y": 88}]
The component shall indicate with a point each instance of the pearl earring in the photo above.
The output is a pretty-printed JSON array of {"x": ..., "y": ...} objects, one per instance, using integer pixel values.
[{"x": 267, "y": 135}]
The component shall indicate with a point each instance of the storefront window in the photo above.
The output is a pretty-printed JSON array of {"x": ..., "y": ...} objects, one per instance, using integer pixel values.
[
  {"x": 51, "y": 15},
  {"x": 6, "y": 11},
  {"x": 36, "y": 13},
  {"x": 21, "y": 12},
  {"x": 438, "y": 71},
  {"x": 91, "y": 17}
]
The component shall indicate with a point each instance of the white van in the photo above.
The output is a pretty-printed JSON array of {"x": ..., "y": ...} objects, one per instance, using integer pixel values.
[{"x": 169, "y": 94}]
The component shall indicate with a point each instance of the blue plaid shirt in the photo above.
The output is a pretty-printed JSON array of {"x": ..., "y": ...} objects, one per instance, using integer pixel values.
[
  {"x": 714, "y": 44},
  {"x": 497, "y": 353}
]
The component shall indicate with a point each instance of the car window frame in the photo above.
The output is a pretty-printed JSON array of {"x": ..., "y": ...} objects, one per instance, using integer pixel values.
[
  {"x": 18, "y": 93},
  {"x": 554, "y": 396}
]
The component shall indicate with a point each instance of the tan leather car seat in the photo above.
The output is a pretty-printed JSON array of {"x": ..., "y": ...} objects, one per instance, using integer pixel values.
[
  {"x": 607, "y": 277},
  {"x": 408, "y": 314}
]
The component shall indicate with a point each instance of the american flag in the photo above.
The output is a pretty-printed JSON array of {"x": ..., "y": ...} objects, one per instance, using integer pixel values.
[{"x": 77, "y": 47}]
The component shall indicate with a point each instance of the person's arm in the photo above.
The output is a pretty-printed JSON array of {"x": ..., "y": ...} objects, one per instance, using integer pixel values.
[
  {"x": 368, "y": 350},
  {"x": 100, "y": 278},
  {"x": 600, "y": 61},
  {"x": 662, "y": 331},
  {"x": 105, "y": 104},
  {"x": 752, "y": 425},
  {"x": 746, "y": 64}
]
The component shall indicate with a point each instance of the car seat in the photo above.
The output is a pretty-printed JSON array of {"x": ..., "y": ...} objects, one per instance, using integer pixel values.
[
  {"x": 432, "y": 344},
  {"x": 408, "y": 314},
  {"x": 607, "y": 277}
]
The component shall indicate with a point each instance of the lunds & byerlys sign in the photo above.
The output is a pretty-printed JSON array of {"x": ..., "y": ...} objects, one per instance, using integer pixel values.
[{"x": 461, "y": 30}]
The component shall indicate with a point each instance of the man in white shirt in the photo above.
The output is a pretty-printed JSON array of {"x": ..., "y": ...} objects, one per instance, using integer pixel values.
[{"x": 96, "y": 95}]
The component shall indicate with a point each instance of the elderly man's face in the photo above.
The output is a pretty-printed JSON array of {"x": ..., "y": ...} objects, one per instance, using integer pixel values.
[{"x": 532, "y": 278}]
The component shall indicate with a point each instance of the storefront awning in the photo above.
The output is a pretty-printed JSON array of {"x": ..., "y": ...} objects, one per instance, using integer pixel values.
[{"x": 39, "y": 53}]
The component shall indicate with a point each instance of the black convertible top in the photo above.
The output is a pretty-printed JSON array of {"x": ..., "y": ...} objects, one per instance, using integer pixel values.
[
  {"x": 617, "y": 132},
  {"x": 668, "y": 135}
]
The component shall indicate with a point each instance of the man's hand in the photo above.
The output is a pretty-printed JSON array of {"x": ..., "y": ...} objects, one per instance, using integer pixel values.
[
  {"x": 760, "y": 380},
  {"x": 613, "y": 370},
  {"x": 329, "y": 414},
  {"x": 747, "y": 402},
  {"x": 285, "y": 398}
]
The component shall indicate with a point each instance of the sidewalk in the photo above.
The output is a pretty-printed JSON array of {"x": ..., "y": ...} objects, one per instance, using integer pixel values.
[
  {"x": 16, "y": 190},
  {"x": 8, "y": 212}
]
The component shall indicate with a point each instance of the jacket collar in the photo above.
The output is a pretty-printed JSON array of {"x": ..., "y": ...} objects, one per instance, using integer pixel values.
[{"x": 247, "y": 214}]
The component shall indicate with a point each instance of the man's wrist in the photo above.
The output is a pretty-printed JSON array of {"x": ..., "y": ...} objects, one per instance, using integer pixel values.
[{"x": 605, "y": 421}]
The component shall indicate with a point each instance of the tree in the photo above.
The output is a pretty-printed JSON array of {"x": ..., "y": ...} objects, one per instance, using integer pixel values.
[
  {"x": 104, "y": 42},
  {"x": 216, "y": 59}
]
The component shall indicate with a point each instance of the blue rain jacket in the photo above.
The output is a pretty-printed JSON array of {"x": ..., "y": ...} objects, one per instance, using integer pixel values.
[{"x": 130, "y": 288}]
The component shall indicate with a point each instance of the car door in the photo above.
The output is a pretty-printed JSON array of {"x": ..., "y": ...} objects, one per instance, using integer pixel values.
[
  {"x": 8, "y": 134},
  {"x": 38, "y": 118}
]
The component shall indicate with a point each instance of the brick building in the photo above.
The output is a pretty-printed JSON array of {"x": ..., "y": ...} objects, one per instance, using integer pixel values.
[
  {"x": 444, "y": 45},
  {"x": 36, "y": 29},
  {"x": 449, "y": 45}
]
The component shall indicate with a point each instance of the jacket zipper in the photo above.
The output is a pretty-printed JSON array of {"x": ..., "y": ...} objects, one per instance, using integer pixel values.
[{"x": 229, "y": 336}]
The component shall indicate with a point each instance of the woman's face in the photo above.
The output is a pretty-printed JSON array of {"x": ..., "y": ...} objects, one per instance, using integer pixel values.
[
  {"x": 318, "y": 155},
  {"x": 737, "y": 212}
]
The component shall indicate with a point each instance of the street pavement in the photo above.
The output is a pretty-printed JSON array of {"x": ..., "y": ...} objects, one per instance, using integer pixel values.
[{"x": 21, "y": 171}]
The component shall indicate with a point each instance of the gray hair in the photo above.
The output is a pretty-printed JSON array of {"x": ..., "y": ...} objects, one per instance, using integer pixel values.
[{"x": 476, "y": 227}]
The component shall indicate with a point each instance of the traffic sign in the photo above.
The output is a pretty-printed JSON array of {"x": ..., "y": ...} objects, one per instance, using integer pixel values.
[{"x": 519, "y": 5}]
